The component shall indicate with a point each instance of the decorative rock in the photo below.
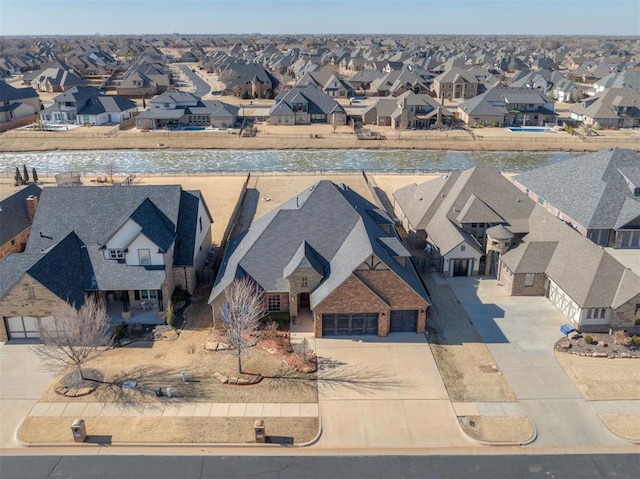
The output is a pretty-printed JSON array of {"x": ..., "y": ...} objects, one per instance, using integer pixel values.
[
  {"x": 223, "y": 347},
  {"x": 169, "y": 335},
  {"x": 599, "y": 355},
  {"x": 625, "y": 355},
  {"x": 211, "y": 346},
  {"x": 602, "y": 344},
  {"x": 232, "y": 380},
  {"x": 221, "y": 378},
  {"x": 563, "y": 345},
  {"x": 243, "y": 381}
]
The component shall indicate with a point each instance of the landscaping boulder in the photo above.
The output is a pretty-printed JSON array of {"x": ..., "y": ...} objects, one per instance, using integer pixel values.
[
  {"x": 223, "y": 379},
  {"x": 170, "y": 335},
  {"x": 211, "y": 346},
  {"x": 563, "y": 345}
]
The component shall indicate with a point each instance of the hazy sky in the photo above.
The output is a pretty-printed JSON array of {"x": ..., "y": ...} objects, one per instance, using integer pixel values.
[{"x": 565, "y": 17}]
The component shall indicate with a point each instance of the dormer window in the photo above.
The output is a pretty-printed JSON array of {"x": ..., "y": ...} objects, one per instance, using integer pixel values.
[{"x": 116, "y": 254}]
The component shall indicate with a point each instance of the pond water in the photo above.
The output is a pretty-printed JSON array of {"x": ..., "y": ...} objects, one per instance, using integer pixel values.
[{"x": 178, "y": 161}]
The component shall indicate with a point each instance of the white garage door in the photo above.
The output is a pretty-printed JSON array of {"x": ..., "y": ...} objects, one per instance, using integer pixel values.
[
  {"x": 25, "y": 327},
  {"x": 563, "y": 302}
]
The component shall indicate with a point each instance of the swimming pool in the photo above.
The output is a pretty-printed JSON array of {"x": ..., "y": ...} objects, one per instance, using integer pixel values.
[{"x": 530, "y": 129}]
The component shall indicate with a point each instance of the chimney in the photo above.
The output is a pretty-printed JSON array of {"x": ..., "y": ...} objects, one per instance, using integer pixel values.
[{"x": 32, "y": 206}]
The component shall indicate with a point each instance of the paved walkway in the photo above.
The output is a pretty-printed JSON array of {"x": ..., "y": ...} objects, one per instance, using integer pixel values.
[{"x": 175, "y": 410}]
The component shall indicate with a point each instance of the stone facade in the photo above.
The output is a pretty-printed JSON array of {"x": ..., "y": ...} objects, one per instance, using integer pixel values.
[
  {"x": 627, "y": 316},
  {"x": 519, "y": 287},
  {"x": 17, "y": 302}
]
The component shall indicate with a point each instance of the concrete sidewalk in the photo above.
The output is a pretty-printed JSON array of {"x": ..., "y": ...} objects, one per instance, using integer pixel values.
[{"x": 175, "y": 410}]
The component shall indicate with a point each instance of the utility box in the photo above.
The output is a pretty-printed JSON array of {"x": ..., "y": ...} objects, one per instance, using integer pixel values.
[
  {"x": 79, "y": 430},
  {"x": 258, "y": 425}
]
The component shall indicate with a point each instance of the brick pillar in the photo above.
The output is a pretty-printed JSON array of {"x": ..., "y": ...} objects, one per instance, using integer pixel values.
[{"x": 32, "y": 206}]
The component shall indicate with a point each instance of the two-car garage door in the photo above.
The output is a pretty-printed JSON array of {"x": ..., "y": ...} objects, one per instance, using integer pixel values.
[
  {"x": 25, "y": 327},
  {"x": 349, "y": 324},
  {"x": 404, "y": 321}
]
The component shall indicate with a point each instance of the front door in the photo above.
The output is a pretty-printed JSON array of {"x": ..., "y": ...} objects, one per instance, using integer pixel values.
[{"x": 303, "y": 300}]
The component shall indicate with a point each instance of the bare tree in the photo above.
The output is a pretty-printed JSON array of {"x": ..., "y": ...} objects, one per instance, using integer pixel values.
[
  {"x": 75, "y": 336},
  {"x": 241, "y": 314}
]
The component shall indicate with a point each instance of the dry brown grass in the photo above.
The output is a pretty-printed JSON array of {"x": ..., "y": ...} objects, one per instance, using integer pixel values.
[
  {"x": 114, "y": 430},
  {"x": 159, "y": 364},
  {"x": 498, "y": 429},
  {"x": 627, "y": 426},
  {"x": 602, "y": 379},
  {"x": 464, "y": 361}
]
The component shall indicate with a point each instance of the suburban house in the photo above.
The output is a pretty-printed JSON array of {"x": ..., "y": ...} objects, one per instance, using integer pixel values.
[
  {"x": 598, "y": 194},
  {"x": 610, "y": 109},
  {"x": 56, "y": 79},
  {"x": 448, "y": 218},
  {"x": 130, "y": 246},
  {"x": 397, "y": 82},
  {"x": 455, "y": 84},
  {"x": 407, "y": 111},
  {"x": 329, "y": 83},
  {"x": 86, "y": 105},
  {"x": 552, "y": 83},
  {"x": 306, "y": 104},
  {"x": 508, "y": 107},
  {"x": 588, "y": 285},
  {"x": 179, "y": 109},
  {"x": 17, "y": 103},
  {"x": 330, "y": 253},
  {"x": 145, "y": 79},
  {"x": 16, "y": 215},
  {"x": 477, "y": 222},
  {"x": 624, "y": 79}
]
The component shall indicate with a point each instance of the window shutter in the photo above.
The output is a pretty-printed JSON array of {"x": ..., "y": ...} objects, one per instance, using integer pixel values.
[
  {"x": 160, "y": 294},
  {"x": 136, "y": 295}
]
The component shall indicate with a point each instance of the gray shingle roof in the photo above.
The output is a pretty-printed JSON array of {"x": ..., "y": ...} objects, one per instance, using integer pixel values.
[
  {"x": 591, "y": 189},
  {"x": 14, "y": 218},
  {"x": 330, "y": 221},
  {"x": 477, "y": 195},
  {"x": 89, "y": 216},
  {"x": 318, "y": 101},
  {"x": 583, "y": 270}
]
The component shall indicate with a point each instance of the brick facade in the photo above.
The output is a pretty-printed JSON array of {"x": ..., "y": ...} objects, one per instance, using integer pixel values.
[
  {"x": 372, "y": 291},
  {"x": 17, "y": 303},
  {"x": 16, "y": 245}
]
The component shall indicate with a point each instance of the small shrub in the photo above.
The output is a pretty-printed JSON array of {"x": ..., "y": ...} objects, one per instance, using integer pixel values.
[
  {"x": 169, "y": 313},
  {"x": 117, "y": 332},
  {"x": 635, "y": 340},
  {"x": 588, "y": 339},
  {"x": 280, "y": 318}
]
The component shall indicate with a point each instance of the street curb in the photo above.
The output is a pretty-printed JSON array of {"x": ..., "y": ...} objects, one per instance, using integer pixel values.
[{"x": 533, "y": 437}]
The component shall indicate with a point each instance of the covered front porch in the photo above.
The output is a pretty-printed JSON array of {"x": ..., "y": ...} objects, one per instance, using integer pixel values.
[{"x": 128, "y": 307}]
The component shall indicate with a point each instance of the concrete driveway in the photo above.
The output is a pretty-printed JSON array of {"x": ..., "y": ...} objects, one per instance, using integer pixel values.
[
  {"x": 384, "y": 393},
  {"x": 22, "y": 382},
  {"x": 520, "y": 333}
]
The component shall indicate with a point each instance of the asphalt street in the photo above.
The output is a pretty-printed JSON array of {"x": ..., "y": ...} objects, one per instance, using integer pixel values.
[{"x": 592, "y": 466}]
